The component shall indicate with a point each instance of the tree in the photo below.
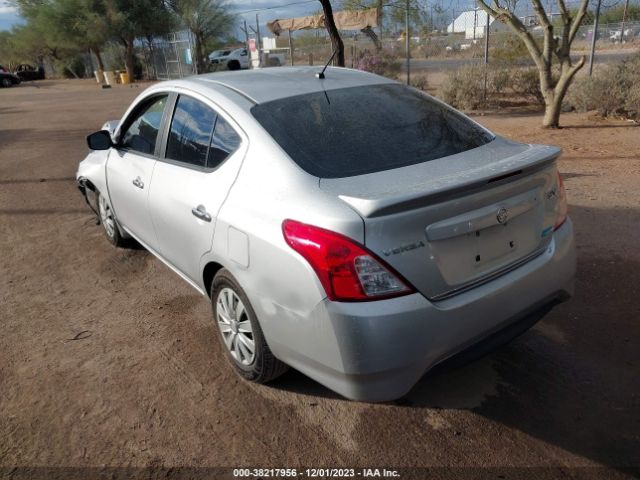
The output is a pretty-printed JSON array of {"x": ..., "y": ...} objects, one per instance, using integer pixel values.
[
  {"x": 47, "y": 35},
  {"x": 8, "y": 52},
  {"x": 206, "y": 20},
  {"x": 129, "y": 19},
  {"x": 80, "y": 24},
  {"x": 330, "y": 24},
  {"x": 552, "y": 85}
]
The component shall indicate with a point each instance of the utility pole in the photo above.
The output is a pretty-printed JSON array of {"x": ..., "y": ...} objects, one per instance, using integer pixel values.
[
  {"x": 290, "y": 48},
  {"x": 407, "y": 41},
  {"x": 595, "y": 36},
  {"x": 475, "y": 22},
  {"x": 486, "y": 42},
  {"x": 246, "y": 35},
  {"x": 486, "y": 55},
  {"x": 259, "y": 41},
  {"x": 624, "y": 18},
  {"x": 431, "y": 18},
  {"x": 256, "y": 32},
  {"x": 453, "y": 22}
]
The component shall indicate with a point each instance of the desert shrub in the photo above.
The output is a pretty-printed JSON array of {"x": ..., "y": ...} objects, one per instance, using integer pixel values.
[
  {"x": 464, "y": 88},
  {"x": 384, "y": 63},
  {"x": 632, "y": 105},
  {"x": 612, "y": 91},
  {"x": 526, "y": 82},
  {"x": 419, "y": 81},
  {"x": 592, "y": 93},
  {"x": 500, "y": 79}
]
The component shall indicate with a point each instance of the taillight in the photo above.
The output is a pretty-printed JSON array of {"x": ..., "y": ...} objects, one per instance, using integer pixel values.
[
  {"x": 561, "y": 205},
  {"x": 347, "y": 271}
]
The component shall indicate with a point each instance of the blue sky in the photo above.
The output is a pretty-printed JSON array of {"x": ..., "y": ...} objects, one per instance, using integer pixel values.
[{"x": 8, "y": 16}]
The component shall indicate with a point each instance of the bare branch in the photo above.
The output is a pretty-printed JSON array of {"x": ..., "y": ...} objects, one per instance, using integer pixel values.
[
  {"x": 577, "y": 20},
  {"x": 549, "y": 42},
  {"x": 509, "y": 18},
  {"x": 540, "y": 13},
  {"x": 563, "y": 50},
  {"x": 563, "y": 10}
]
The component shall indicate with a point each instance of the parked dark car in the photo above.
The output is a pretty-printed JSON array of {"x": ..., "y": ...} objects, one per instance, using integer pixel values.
[
  {"x": 8, "y": 79},
  {"x": 29, "y": 72}
]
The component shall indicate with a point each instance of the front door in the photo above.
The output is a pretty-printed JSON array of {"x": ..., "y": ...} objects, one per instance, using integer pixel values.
[
  {"x": 201, "y": 161},
  {"x": 130, "y": 169}
]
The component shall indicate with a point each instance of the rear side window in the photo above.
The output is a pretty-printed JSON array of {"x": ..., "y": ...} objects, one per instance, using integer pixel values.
[
  {"x": 190, "y": 132},
  {"x": 224, "y": 142},
  {"x": 142, "y": 133},
  {"x": 367, "y": 129},
  {"x": 199, "y": 136}
]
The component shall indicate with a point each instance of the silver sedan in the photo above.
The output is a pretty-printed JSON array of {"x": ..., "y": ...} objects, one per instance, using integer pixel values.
[{"x": 345, "y": 225}]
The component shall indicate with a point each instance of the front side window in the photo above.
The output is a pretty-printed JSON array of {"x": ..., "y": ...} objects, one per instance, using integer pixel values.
[
  {"x": 142, "y": 133},
  {"x": 190, "y": 134}
]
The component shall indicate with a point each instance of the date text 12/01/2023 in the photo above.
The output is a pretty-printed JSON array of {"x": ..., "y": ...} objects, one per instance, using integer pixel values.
[{"x": 315, "y": 473}]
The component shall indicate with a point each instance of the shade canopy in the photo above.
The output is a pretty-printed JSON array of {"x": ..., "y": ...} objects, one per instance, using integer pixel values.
[{"x": 345, "y": 20}]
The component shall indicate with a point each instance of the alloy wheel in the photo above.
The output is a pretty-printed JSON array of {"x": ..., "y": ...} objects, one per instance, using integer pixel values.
[
  {"x": 235, "y": 327},
  {"x": 106, "y": 217}
]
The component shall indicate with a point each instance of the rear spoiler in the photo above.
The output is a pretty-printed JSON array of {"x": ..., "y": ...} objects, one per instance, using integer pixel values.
[{"x": 534, "y": 158}]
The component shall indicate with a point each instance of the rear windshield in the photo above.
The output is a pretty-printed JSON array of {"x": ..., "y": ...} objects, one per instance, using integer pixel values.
[{"x": 359, "y": 130}]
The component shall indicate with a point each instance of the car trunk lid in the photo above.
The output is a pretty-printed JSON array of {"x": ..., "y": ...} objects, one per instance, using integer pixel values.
[{"x": 449, "y": 224}]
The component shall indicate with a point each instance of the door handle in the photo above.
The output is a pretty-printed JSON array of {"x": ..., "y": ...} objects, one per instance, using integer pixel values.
[
  {"x": 138, "y": 182},
  {"x": 201, "y": 213}
]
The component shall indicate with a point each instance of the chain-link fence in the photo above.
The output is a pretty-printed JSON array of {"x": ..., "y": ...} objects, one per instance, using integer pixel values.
[{"x": 170, "y": 56}]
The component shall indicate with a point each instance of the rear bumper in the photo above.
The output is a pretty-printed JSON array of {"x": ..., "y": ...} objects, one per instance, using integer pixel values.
[{"x": 377, "y": 351}]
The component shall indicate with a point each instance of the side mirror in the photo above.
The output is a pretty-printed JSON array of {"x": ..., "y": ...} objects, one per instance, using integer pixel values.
[{"x": 99, "y": 140}]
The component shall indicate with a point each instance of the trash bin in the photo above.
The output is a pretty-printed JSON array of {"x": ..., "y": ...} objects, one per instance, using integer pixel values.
[
  {"x": 124, "y": 78},
  {"x": 110, "y": 77}
]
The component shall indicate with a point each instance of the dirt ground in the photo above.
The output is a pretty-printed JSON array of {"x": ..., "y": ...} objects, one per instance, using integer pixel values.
[{"x": 146, "y": 382}]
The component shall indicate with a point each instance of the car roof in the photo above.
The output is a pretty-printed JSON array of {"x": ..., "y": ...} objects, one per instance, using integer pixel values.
[{"x": 268, "y": 84}]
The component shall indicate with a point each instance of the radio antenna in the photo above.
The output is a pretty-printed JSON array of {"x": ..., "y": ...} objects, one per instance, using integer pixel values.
[{"x": 320, "y": 75}]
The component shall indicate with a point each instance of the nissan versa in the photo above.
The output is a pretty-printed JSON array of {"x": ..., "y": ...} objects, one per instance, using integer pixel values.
[{"x": 350, "y": 227}]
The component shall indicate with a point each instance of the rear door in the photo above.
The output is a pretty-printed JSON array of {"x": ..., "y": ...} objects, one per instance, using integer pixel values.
[
  {"x": 201, "y": 157},
  {"x": 130, "y": 167}
]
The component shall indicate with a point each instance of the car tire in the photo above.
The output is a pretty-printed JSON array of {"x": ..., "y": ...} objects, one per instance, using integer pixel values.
[
  {"x": 239, "y": 331},
  {"x": 6, "y": 82},
  {"x": 109, "y": 223},
  {"x": 233, "y": 65}
]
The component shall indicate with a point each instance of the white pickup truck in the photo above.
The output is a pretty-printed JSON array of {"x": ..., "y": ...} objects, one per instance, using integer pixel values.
[{"x": 232, "y": 60}]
